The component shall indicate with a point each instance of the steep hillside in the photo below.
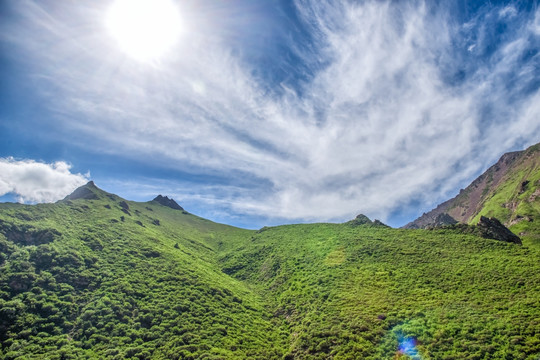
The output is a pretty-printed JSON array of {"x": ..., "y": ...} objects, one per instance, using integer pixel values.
[
  {"x": 97, "y": 276},
  {"x": 509, "y": 191}
]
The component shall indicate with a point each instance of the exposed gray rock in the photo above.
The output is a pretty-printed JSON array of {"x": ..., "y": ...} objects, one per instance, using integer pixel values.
[
  {"x": 165, "y": 201},
  {"x": 491, "y": 228},
  {"x": 441, "y": 220}
]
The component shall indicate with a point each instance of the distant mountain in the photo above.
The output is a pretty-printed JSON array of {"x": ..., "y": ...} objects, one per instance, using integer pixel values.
[
  {"x": 96, "y": 276},
  {"x": 89, "y": 192},
  {"x": 508, "y": 191}
]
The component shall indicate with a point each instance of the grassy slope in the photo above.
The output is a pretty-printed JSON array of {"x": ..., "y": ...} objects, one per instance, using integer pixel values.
[
  {"x": 124, "y": 288},
  {"x": 190, "y": 288},
  {"x": 353, "y": 292}
]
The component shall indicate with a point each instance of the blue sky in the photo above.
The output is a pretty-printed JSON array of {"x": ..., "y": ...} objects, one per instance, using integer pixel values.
[{"x": 269, "y": 112}]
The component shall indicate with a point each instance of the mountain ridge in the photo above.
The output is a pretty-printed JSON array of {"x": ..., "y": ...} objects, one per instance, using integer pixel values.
[
  {"x": 87, "y": 191},
  {"x": 517, "y": 172},
  {"x": 98, "y": 276}
]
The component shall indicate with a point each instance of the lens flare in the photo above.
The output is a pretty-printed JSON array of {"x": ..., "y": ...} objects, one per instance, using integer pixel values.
[{"x": 407, "y": 346}]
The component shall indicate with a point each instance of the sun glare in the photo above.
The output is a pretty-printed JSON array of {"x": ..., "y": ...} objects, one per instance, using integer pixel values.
[{"x": 144, "y": 29}]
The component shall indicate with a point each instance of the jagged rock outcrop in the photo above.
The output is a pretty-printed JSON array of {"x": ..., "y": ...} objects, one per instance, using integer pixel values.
[
  {"x": 488, "y": 228},
  {"x": 435, "y": 221},
  {"x": 165, "y": 201},
  {"x": 491, "y": 228}
]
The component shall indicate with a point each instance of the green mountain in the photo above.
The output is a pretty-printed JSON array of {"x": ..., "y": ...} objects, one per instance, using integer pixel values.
[
  {"x": 95, "y": 276},
  {"x": 508, "y": 191}
]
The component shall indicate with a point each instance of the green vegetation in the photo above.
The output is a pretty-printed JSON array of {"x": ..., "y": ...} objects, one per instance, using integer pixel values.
[
  {"x": 516, "y": 201},
  {"x": 349, "y": 292},
  {"x": 508, "y": 191},
  {"x": 101, "y": 277}
]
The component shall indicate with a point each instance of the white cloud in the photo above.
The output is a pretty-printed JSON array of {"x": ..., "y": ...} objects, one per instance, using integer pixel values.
[
  {"x": 535, "y": 25},
  {"x": 38, "y": 182},
  {"x": 379, "y": 124},
  {"x": 508, "y": 12}
]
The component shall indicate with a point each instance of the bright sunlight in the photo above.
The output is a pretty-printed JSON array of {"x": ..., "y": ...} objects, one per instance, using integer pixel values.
[{"x": 144, "y": 29}]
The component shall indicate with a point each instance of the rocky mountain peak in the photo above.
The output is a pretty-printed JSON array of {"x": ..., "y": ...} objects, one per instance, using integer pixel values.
[
  {"x": 87, "y": 192},
  {"x": 165, "y": 201}
]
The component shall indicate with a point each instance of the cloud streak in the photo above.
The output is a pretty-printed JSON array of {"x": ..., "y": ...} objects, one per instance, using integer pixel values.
[
  {"x": 403, "y": 104},
  {"x": 38, "y": 182}
]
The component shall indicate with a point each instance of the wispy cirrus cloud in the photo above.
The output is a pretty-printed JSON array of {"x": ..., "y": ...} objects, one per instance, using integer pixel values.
[
  {"x": 38, "y": 182},
  {"x": 402, "y": 103}
]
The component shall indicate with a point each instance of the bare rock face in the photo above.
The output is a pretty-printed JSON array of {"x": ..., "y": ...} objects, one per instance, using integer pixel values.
[
  {"x": 443, "y": 220},
  {"x": 487, "y": 228},
  {"x": 165, "y": 201},
  {"x": 491, "y": 228},
  {"x": 431, "y": 221}
]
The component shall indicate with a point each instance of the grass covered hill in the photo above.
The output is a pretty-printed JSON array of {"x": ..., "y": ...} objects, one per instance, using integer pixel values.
[{"x": 98, "y": 277}]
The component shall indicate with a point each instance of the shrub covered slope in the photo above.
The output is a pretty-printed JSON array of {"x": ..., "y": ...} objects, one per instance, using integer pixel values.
[
  {"x": 101, "y": 277},
  {"x": 96, "y": 276}
]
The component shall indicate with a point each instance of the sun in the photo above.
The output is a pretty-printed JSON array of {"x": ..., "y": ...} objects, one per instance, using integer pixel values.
[{"x": 144, "y": 29}]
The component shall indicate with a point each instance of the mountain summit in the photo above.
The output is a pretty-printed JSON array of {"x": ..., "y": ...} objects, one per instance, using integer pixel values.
[
  {"x": 165, "y": 201},
  {"x": 87, "y": 192},
  {"x": 90, "y": 191}
]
